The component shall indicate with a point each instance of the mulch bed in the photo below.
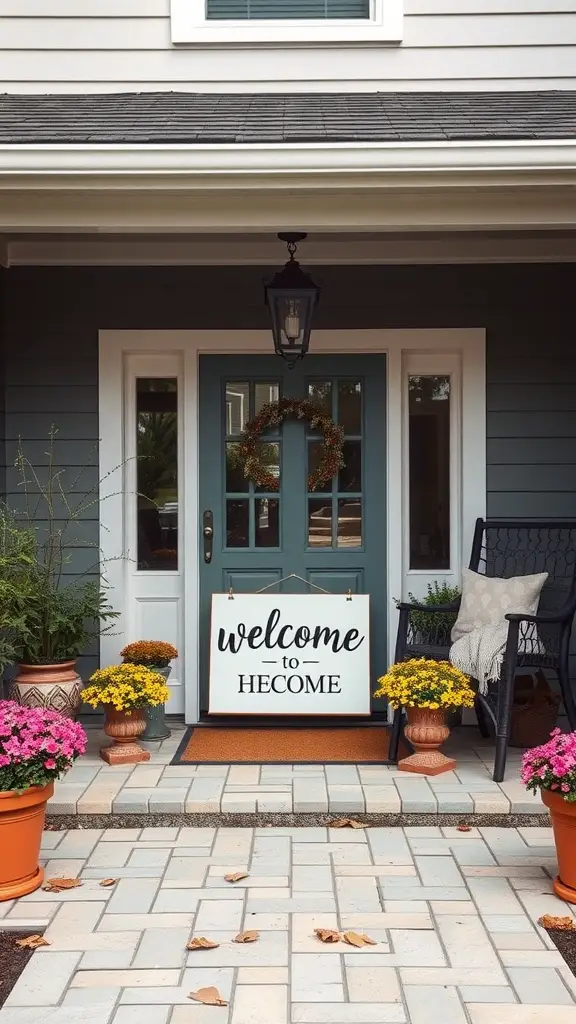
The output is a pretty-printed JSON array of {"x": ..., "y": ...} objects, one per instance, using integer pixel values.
[
  {"x": 228, "y": 820},
  {"x": 565, "y": 942},
  {"x": 13, "y": 960}
]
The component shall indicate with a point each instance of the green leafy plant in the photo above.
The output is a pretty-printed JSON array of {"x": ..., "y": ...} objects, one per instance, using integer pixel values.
[
  {"x": 439, "y": 625},
  {"x": 47, "y": 615},
  {"x": 17, "y": 546}
]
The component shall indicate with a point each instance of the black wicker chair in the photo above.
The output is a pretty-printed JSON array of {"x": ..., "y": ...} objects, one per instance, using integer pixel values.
[{"x": 506, "y": 548}]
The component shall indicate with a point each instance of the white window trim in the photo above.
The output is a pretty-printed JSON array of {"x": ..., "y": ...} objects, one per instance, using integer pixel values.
[
  {"x": 117, "y": 348},
  {"x": 189, "y": 25}
]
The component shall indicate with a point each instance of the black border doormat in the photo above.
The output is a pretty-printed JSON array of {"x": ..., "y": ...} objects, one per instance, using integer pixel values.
[{"x": 310, "y": 744}]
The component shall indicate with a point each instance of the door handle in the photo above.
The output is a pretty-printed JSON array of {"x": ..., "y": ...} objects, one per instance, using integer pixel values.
[{"x": 208, "y": 534}]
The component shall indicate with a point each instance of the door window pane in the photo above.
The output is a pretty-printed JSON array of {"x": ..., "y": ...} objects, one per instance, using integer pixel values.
[
  {"x": 350, "y": 406},
  {"x": 350, "y": 476},
  {"x": 157, "y": 472},
  {"x": 349, "y": 522},
  {"x": 235, "y": 477},
  {"x": 237, "y": 406},
  {"x": 237, "y": 523},
  {"x": 429, "y": 471},
  {"x": 267, "y": 523},
  {"x": 269, "y": 455},
  {"x": 320, "y": 392},
  {"x": 314, "y": 460},
  {"x": 319, "y": 522},
  {"x": 265, "y": 392}
]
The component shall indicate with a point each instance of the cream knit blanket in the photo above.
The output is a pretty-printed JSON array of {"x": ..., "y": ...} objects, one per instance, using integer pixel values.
[{"x": 480, "y": 653}]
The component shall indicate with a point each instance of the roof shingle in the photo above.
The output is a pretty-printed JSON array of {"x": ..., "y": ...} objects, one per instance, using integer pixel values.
[{"x": 183, "y": 117}]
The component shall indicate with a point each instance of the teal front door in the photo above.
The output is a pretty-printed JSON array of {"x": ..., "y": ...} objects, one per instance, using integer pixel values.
[{"x": 336, "y": 538}]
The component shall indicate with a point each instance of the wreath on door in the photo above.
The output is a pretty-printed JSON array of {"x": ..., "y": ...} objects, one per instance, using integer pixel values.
[{"x": 249, "y": 451}]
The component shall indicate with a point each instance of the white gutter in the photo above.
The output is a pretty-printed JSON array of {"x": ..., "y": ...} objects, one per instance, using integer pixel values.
[{"x": 350, "y": 158}]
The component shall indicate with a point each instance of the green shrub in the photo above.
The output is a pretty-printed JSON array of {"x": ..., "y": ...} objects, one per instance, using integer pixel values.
[{"x": 434, "y": 629}]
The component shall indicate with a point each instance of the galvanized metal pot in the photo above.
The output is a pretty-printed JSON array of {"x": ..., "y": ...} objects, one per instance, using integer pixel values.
[{"x": 156, "y": 728}]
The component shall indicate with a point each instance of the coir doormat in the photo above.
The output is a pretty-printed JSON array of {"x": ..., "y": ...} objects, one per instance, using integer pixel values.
[{"x": 215, "y": 745}]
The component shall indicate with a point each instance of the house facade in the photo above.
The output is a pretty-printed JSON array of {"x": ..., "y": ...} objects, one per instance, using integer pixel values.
[{"x": 150, "y": 153}]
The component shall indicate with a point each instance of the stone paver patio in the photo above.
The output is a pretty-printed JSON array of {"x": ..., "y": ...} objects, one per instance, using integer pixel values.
[
  {"x": 92, "y": 787},
  {"x": 454, "y": 916}
]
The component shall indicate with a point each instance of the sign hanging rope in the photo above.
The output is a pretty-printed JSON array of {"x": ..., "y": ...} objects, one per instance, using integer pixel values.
[{"x": 250, "y": 450}]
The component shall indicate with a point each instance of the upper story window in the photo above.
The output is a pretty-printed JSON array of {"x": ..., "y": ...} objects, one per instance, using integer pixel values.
[
  {"x": 266, "y": 10},
  {"x": 285, "y": 22}
]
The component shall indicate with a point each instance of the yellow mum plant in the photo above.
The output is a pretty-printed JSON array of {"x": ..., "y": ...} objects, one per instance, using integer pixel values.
[
  {"x": 126, "y": 687},
  {"x": 420, "y": 683}
]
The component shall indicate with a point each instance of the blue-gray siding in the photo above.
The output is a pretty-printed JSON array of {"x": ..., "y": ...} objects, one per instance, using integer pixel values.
[{"x": 51, "y": 318}]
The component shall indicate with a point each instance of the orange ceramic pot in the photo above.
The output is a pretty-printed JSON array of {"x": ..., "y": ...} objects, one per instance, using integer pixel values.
[
  {"x": 426, "y": 731},
  {"x": 124, "y": 727},
  {"x": 21, "y": 824},
  {"x": 563, "y": 815},
  {"x": 52, "y": 687}
]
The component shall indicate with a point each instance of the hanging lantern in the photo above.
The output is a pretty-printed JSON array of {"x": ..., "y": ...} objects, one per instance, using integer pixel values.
[{"x": 291, "y": 296}]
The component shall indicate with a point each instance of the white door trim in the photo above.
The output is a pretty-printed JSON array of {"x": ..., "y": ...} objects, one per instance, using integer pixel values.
[{"x": 116, "y": 346}]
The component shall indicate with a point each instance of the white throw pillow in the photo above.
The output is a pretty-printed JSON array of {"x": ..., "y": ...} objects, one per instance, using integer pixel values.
[{"x": 486, "y": 600}]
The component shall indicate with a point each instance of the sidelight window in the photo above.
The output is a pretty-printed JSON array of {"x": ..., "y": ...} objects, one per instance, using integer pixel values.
[
  {"x": 429, "y": 405},
  {"x": 157, "y": 472}
]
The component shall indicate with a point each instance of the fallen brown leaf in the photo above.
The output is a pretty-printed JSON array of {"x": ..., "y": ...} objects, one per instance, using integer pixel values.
[
  {"x": 247, "y": 937},
  {"x": 236, "y": 876},
  {"x": 52, "y": 828},
  {"x": 208, "y": 996},
  {"x": 107, "y": 882},
  {"x": 356, "y": 939},
  {"x": 564, "y": 924},
  {"x": 202, "y": 943},
  {"x": 60, "y": 884},
  {"x": 346, "y": 823},
  {"x": 327, "y": 935},
  {"x": 32, "y": 942},
  {"x": 463, "y": 828}
]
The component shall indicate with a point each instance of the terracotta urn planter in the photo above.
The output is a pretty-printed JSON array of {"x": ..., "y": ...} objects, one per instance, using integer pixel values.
[
  {"x": 21, "y": 824},
  {"x": 426, "y": 731},
  {"x": 52, "y": 687},
  {"x": 563, "y": 815},
  {"x": 124, "y": 727}
]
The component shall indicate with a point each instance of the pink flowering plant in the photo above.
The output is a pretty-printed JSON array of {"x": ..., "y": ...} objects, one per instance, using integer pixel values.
[
  {"x": 36, "y": 746},
  {"x": 552, "y": 765}
]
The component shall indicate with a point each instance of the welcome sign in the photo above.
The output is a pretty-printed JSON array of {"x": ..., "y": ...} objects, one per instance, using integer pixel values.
[{"x": 290, "y": 654}]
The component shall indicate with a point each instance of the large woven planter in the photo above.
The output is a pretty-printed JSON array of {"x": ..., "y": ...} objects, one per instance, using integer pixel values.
[
  {"x": 563, "y": 815},
  {"x": 21, "y": 824},
  {"x": 534, "y": 712},
  {"x": 124, "y": 727},
  {"x": 426, "y": 731},
  {"x": 51, "y": 687}
]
